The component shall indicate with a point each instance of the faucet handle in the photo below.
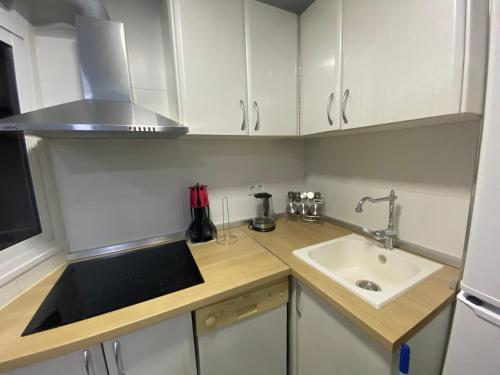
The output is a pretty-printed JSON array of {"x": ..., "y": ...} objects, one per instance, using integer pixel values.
[
  {"x": 377, "y": 234},
  {"x": 391, "y": 233},
  {"x": 381, "y": 234}
]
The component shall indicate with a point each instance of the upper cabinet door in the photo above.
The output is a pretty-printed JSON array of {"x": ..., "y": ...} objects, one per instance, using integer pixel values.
[
  {"x": 320, "y": 46},
  {"x": 210, "y": 63},
  {"x": 272, "y": 59},
  {"x": 165, "y": 348},
  {"x": 402, "y": 60}
]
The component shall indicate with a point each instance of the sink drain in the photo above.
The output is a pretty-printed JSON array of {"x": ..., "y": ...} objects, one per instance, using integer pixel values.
[{"x": 368, "y": 285}]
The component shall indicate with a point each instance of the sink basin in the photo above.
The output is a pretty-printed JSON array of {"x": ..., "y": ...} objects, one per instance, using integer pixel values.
[{"x": 365, "y": 268}]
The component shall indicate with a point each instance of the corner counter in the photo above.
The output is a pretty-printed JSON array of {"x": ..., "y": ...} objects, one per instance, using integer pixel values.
[{"x": 391, "y": 325}]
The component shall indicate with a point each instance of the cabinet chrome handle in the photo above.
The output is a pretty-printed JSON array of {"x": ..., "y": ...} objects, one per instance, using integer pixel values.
[
  {"x": 86, "y": 361},
  {"x": 344, "y": 105},
  {"x": 243, "y": 123},
  {"x": 298, "y": 293},
  {"x": 257, "y": 114},
  {"x": 329, "y": 108},
  {"x": 117, "y": 353}
]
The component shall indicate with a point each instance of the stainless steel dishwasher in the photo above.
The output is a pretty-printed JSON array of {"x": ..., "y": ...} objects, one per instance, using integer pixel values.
[{"x": 246, "y": 335}]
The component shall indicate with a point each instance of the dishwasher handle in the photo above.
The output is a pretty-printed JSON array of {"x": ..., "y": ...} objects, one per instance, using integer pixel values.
[{"x": 248, "y": 311}]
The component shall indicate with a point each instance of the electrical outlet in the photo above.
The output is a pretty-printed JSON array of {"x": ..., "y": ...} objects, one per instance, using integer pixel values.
[{"x": 255, "y": 187}]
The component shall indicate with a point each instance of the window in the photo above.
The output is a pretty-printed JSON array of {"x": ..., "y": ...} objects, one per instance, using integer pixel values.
[
  {"x": 9, "y": 100},
  {"x": 19, "y": 219},
  {"x": 44, "y": 236}
]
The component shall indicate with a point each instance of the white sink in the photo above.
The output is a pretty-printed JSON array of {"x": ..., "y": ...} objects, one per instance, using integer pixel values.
[{"x": 353, "y": 259}]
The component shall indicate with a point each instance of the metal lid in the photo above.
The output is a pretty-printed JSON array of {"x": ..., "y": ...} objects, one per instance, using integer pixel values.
[{"x": 263, "y": 195}]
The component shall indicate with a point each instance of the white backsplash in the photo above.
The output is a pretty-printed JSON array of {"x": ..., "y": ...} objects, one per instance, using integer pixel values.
[
  {"x": 431, "y": 170},
  {"x": 115, "y": 191}
]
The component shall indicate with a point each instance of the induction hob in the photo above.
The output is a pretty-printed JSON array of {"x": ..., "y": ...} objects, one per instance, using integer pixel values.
[{"x": 97, "y": 286}]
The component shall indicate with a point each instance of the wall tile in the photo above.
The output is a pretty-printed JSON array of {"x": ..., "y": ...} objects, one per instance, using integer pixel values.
[
  {"x": 8, "y": 292},
  {"x": 143, "y": 15},
  {"x": 146, "y": 61},
  {"x": 40, "y": 271},
  {"x": 116, "y": 191},
  {"x": 119, "y": 168},
  {"x": 54, "y": 93},
  {"x": 154, "y": 100},
  {"x": 59, "y": 68},
  {"x": 173, "y": 105},
  {"x": 57, "y": 59},
  {"x": 431, "y": 170}
]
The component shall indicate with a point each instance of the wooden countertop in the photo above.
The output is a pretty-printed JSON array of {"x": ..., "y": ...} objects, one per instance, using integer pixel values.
[
  {"x": 227, "y": 270},
  {"x": 390, "y": 325}
]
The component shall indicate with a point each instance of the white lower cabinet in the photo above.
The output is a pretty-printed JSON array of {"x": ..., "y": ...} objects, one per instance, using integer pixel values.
[
  {"x": 83, "y": 362},
  {"x": 325, "y": 342},
  {"x": 165, "y": 348}
]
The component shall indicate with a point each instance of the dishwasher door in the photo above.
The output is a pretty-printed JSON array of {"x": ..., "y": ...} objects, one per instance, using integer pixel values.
[{"x": 246, "y": 335}]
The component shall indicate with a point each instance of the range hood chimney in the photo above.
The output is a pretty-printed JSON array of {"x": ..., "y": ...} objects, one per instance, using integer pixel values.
[
  {"x": 107, "y": 109},
  {"x": 103, "y": 59}
]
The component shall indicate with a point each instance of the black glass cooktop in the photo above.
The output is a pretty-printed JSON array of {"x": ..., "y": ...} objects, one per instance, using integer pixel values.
[{"x": 97, "y": 286}]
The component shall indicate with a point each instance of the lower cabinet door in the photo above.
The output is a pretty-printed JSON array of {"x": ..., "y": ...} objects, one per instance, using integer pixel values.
[
  {"x": 253, "y": 346},
  {"x": 84, "y": 362},
  {"x": 329, "y": 344},
  {"x": 166, "y": 348}
]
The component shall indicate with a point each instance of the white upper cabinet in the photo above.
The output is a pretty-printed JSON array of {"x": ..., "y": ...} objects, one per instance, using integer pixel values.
[
  {"x": 237, "y": 66},
  {"x": 320, "y": 46},
  {"x": 165, "y": 348},
  {"x": 412, "y": 59},
  {"x": 210, "y": 62},
  {"x": 272, "y": 59}
]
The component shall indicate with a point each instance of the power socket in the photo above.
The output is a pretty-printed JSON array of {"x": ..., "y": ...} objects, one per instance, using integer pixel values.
[{"x": 255, "y": 187}]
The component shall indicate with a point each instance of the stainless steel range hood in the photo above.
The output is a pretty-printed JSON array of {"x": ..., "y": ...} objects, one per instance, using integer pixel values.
[{"x": 107, "y": 110}]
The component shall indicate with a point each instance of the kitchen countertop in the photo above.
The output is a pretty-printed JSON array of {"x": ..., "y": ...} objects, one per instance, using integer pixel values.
[
  {"x": 227, "y": 270},
  {"x": 391, "y": 325}
]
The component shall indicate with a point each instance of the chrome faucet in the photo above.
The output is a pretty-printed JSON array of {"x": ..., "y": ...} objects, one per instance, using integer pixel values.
[{"x": 388, "y": 234}]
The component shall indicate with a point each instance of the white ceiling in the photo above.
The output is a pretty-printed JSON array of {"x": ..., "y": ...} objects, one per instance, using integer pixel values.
[{"x": 296, "y": 6}]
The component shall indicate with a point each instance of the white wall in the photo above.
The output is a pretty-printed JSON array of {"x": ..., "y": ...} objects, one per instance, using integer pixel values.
[
  {"x": 153, "y": 85},
  {"x": 114, "y": 191},
  {"x": 59, "y": 69},
  {"x": 32, "y": 276},
  {"x": 117, "y": 191},
  {"x": 431, "y": 170}
]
